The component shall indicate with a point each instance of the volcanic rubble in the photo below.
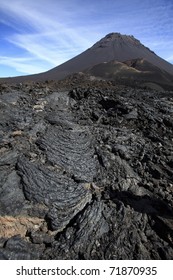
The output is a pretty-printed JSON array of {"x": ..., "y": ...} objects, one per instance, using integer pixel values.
[{"x": 85, "y": 172}]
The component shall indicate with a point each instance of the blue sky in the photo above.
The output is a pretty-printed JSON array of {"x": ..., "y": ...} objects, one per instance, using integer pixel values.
[{"x": 37, "y": 35}]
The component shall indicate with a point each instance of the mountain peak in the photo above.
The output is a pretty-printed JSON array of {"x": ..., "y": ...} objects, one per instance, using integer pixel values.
[
  {"x": 118, "y": 39},
  {"x": 117, "y": 35},
  {"x": 113, "y": 35}
]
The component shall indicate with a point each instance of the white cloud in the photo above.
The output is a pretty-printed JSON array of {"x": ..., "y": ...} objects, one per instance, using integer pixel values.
[
  {"x": 22, "y": 65},
  {"x": 41, "y": 34},
  {"x": 170, "y": 58}
]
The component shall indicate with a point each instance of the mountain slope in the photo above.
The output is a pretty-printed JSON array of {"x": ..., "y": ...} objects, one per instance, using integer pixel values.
[{"x": 113, "y": 46}]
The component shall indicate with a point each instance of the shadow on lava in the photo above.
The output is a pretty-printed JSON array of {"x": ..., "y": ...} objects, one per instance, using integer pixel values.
[{"x": 144, "y": 204}]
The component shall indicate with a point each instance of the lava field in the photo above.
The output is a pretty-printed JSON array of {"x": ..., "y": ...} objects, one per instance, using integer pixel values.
[{"x": 86, "y": 172}]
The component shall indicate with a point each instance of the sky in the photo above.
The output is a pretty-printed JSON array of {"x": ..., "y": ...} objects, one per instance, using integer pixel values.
[{"x": 37, "y": 35}]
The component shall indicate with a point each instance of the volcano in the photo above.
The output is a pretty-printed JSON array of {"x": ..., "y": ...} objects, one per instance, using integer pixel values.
[
  {"x": 113, "y": 47},
  {"x": 86, "y": 162}
]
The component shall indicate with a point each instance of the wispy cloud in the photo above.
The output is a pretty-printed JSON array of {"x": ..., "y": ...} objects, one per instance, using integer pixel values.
[
  {"x": 41, "y": 35},
  {"x": 170, "y": 58},
  {"x": 22, "y": 65}
]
